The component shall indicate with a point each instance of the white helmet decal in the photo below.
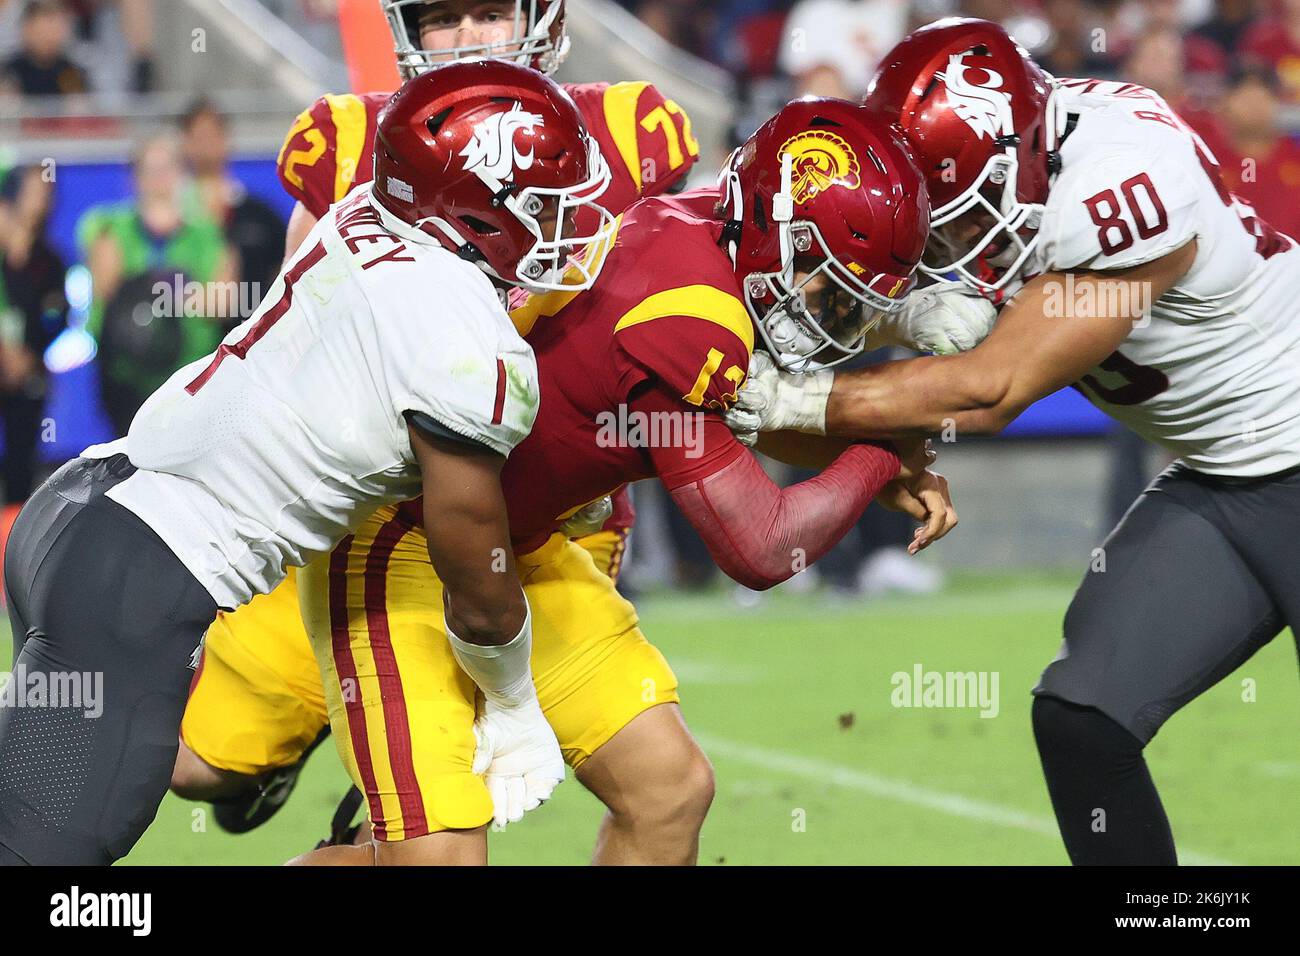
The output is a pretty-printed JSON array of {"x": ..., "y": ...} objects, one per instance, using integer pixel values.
[
  {"x": 984, "y": 107},
  {"x": 492, "y": 151}
]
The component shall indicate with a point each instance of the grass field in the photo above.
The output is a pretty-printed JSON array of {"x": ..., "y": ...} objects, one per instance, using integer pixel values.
[{"x": 792, "y": 700}]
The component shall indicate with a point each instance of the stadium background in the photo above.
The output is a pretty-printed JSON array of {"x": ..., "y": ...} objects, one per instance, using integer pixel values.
[{"x": 792, "y": 696}]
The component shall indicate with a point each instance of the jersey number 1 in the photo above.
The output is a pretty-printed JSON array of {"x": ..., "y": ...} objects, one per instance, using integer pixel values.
[{"x": 264, "y": 323}]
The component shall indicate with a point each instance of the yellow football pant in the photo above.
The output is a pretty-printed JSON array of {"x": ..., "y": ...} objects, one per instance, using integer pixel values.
[{"x": 402, "y": 711}]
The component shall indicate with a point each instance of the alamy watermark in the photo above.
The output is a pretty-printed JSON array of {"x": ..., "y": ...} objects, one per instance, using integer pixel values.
[
  {"x": 629, "y": 428},
  {"x": 1099, "y": 299},
  {"x": 75, "y": 690},
  {"x": 178, "y": 297},
  {"x": 946, "y": 689}
]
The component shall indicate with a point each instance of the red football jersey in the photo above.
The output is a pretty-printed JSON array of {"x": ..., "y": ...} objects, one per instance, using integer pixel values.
[
  {"x": 645, "y": 138},
  {"x": 635, "y": 372}
]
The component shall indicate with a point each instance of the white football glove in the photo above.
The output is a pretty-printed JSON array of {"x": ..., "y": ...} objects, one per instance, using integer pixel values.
[
  {"x": 944, "y": 318},
  {"x": 588, "y": 519},
  {"x": 519, "y": 757},
  {"x": 772, "y": 400}
]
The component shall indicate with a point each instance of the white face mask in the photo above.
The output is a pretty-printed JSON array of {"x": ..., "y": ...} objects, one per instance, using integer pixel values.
[{"x": 789, "y": 336}]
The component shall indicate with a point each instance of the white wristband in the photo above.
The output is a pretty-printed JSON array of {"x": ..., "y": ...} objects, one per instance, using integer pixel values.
[
  {"x": 501, "y": 671},
  {"x": 802, "y": 400}
]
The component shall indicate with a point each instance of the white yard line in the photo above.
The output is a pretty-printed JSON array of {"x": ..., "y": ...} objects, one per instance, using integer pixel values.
[{"x": 901, "y": 791}]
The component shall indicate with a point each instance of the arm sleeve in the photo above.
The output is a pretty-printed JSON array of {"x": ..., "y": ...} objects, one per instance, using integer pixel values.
[{"x": 758, "y": 533}]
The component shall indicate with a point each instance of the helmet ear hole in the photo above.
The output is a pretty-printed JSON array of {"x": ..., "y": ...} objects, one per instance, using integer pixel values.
[
  {"x": 760, "y": 219},
  {"x": 479, "y": 226},
  {"x": 434, "y": 122}
]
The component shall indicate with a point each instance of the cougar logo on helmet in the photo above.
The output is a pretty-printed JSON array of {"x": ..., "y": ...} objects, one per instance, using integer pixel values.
[
  {"x": 984, "y": 107},
  {"x": 820, "y": 160},
  {"x": 492, "y": 150}
]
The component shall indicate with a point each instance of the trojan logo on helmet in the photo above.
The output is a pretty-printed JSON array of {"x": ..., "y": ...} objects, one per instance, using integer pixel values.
[
  {"x": 828, "y": 219},
  {"x": 820, "y": 160}
]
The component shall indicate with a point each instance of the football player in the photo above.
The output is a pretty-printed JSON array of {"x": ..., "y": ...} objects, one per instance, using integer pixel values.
[
  {"x": 1139, "y": 279},
  {"x": 247, "y": 757},
  {"x": 816, "y": 232},
  {"x": 381, "y": 363}
]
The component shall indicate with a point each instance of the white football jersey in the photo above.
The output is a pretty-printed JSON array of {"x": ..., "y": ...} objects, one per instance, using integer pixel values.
[
  {"x": 1213, "y": 374},
  {"x": 267, "y": 452}
]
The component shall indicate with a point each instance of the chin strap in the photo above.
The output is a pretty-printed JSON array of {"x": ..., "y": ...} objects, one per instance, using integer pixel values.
[
  {"x": 1059, "y": 123},
  {"x": 729, "y": 189},
  {"x": 782, "y": 214}
]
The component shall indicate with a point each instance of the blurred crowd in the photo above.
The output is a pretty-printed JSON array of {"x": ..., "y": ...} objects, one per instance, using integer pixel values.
[
  {"x": 188, "y": 225},
  {"x": 1230, "y": 67},
  {"x": 70, "y": 48}
]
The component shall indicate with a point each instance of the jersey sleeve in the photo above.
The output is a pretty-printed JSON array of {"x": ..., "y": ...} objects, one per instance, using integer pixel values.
[
  {"x": 462, "y": 368},
  {"x": 324, "y": 149},
  {"x": 693, "y": 342},
  {"x": 645, "y": 137},
  {"x": 1125, "y": 202}
]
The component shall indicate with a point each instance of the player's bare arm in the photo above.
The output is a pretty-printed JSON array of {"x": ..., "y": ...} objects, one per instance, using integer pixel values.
[
  {"x": 301, "y": 222},
  {"x": 488, "y": 623},
  {"x": 1029, "y": 355},
  {"x": 469, "y": 538}
]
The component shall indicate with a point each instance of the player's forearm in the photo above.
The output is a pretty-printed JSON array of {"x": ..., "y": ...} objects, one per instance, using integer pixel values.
[
  {"x": 760, "y": 534},
  {"x": 301, "y": 222},
  {"x": 919, "y": 397},
  {"x": 484, "y": 604},
  {"x": 484, "y": 609}
]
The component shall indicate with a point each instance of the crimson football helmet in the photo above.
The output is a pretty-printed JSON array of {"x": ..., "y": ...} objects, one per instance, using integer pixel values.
[
  {"x": 985, "y": 123},
  {"x": 828, "y": 218},
  {"x": 538, "y": 38},
  {"x": 494, "y": 161}
]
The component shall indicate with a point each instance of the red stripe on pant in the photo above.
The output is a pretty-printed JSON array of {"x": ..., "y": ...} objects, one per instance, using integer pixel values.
[
  {"x": 616, "y": 558},
  {"x": 345, "y": 668},
  {"x": 397, "y": 725}
]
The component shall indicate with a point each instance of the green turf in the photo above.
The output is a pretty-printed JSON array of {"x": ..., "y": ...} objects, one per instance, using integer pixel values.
[{"x": 814, "y": 765}]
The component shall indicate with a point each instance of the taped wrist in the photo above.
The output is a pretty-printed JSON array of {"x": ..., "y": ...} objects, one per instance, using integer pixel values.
[
  {"x": 802, "y": 400},
  {"x": 502, "y": 671}
]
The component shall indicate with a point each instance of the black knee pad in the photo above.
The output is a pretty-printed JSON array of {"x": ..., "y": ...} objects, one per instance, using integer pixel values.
[{"x": 1061, "y": 727}]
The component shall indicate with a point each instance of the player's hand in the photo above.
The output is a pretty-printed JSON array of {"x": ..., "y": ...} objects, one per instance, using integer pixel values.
[
  {"x": 915, "y": 454},
  {"x": 944, "y": 318},
  {"x": 519, "y": 757},
  {"x": 588, "y": 519},
  {"x": 772, "y": 400},
  {"x": 927, "y": 499}
]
